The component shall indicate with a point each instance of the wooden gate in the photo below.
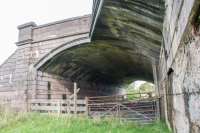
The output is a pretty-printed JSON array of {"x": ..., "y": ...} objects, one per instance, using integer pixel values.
[{"x": 143, "y": 110}]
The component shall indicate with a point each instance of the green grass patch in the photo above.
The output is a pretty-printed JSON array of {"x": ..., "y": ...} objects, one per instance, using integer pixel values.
[{"x": 41, "y": 123}]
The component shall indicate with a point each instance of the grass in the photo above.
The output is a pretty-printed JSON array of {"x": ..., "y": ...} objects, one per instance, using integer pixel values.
[{"x": 40, "y": 123}]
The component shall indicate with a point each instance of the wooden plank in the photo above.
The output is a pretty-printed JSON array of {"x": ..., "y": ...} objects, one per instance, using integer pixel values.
[
  {"x": 75, "y": 98},
  {"x": 86, "y": 105},
  {"x": 55, "y": 108},
  {"x": 55, "y": 93},
  {"x": 53, "y": 101}
]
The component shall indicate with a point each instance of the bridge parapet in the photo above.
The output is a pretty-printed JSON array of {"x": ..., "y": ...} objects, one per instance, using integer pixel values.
[
  {"x": 25, "y": 33},
  {"x": 30, "y": 32},
  {"x": 37, "y": 41}
]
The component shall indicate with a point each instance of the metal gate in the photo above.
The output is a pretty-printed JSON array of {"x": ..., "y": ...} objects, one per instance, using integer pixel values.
[{"x": 141, "y": 110}]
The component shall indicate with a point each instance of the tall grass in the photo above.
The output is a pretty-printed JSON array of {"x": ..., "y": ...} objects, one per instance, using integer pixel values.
[
  {"x": 7, "y": 116},
  {"x": 44, "y": 123}
]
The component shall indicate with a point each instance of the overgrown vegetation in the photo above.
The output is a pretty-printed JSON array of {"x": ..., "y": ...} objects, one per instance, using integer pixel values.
[
  {"x": 145, "y": 89},
  {"x": 44, "y": 123}
]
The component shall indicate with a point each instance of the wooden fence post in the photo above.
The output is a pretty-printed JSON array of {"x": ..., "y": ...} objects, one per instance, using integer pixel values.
[
  {"x": 158, "y": 108},
  {"x": 59, "y": 107},
  {"x": 68, "y": 105},
  {"x": 29, "y": 105},
  {"x": 75, "y": 98},
  {"x": 86, "y": 106}
]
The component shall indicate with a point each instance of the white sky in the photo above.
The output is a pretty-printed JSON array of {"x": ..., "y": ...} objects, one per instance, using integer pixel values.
[
  {"x": 17, "y": 12},
  {"x": 138, "y": 83}
]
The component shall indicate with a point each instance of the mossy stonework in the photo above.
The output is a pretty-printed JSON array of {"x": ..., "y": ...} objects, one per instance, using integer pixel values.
[{"x": 153, "y": 40}]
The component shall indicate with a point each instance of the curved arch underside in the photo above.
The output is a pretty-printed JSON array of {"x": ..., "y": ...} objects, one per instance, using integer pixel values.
[
  {"x": 135, "y": 22},
  {"x": 101, "y": 63},
  {"x": 126, "y": 41}
]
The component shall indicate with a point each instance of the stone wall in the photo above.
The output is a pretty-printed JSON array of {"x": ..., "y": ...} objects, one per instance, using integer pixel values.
[{"x": 179, "y": 67}]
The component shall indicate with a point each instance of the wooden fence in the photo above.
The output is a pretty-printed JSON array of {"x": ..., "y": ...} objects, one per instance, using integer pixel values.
[
  {"x": 71, "y": 104},
  {"x": 58, "y": 106},
  {"x": 142, "y": 107}
]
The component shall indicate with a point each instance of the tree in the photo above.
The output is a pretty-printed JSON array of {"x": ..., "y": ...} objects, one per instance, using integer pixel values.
[
  {"x": 146, "y": 87},
  {"x": 134, "y": 93}
]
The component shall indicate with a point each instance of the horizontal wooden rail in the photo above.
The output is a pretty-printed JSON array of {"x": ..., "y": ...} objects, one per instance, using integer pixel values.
[
  {"x": 112, "y": 96},
  {"x": 56, "y": 108},
  {"x": 55, "y": 101}
]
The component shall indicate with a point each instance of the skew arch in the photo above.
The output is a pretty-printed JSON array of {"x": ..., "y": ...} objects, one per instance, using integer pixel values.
[{"x": 54, "y": 52}]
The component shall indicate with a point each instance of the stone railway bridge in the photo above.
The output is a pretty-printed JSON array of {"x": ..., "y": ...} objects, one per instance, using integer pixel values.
[{"x": 152, "y": 40}]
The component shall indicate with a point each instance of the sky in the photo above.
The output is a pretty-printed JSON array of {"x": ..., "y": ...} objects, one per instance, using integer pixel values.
[{"x": 17, "y": 12}]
